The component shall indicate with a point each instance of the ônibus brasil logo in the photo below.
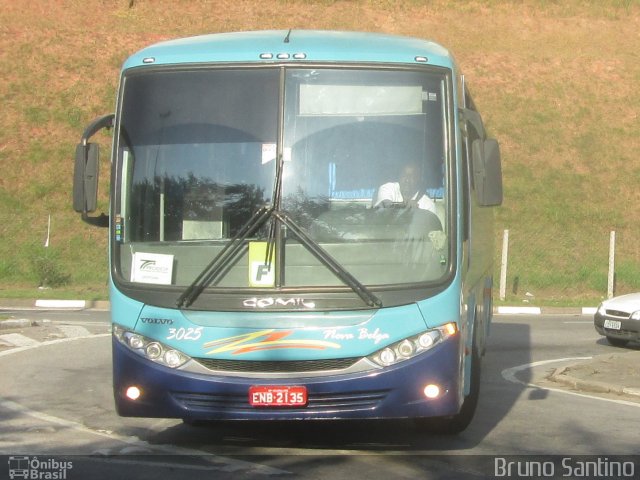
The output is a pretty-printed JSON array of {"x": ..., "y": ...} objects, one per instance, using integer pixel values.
[{"x": 38, "y": 469}]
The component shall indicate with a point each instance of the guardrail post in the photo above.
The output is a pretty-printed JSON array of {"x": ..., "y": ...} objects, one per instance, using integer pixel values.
[
  {"x": 503, "y": 265},
  {"x": 612, "y": 268}
]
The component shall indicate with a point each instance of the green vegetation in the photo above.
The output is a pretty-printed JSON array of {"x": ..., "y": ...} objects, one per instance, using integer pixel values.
[{"x": 555, "y": 81}]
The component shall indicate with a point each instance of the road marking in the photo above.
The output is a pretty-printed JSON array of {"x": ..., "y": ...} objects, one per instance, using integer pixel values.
[
  {"x": 218, "y": 462},
  {"x": 509, "y": 374},
  {"x": 49, "y": 342},
  {"x": 73, "y": 330},
  {"x": 17, "y": 340},
  {"x": 97, "y": 323}
]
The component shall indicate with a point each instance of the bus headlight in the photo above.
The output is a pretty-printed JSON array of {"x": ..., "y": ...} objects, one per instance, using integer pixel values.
[
  {"x": 153, "y": 350},
  {"x": 386, "y": 357},
  {"x": 135, "y": 341},
  {"x": 150, "y": 349},
  {"x": 412, "y": 346},
  {"x": 406, "y": 348}
]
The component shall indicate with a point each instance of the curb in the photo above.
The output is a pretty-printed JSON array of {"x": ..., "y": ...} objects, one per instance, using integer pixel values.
[
  {"x": 14, "y": 324},
  {"x": 560, "y": 376},
  {"x": 44, "y": 304},
  {"x": 66, "y": 304}
]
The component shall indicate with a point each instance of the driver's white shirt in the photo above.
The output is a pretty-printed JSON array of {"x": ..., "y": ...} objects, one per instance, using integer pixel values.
[{"x": 391, "y": 192}]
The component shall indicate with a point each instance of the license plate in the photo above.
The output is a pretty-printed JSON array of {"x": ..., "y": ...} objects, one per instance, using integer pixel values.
[
  {"x": 277, "y": 396},
  {"x": 612, "y": 324}
]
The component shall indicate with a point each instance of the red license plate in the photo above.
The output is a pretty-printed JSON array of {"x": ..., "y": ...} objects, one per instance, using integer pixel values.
[{"x": 277, "y": 396}]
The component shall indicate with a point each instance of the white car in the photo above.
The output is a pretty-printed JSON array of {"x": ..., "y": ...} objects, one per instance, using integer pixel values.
[{"x": 618, "y": 319}]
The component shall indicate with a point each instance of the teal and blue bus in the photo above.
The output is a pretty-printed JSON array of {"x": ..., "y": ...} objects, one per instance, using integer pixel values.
[{"x": 300, "y": 227}]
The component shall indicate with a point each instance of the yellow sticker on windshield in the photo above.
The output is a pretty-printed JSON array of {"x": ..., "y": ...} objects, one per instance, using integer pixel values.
[{"x": 262, "y": 270}]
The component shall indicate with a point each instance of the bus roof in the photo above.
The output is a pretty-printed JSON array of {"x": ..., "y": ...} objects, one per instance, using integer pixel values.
[{"x": 275, "y": 46}]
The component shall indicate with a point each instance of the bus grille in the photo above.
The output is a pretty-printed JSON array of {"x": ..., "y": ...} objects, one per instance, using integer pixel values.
[
  {"x": 334, "y": 402},
  {"x": 277, "y": 366}
]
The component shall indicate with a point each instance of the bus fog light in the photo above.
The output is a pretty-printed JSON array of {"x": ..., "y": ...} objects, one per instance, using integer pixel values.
[
  {"x": 432, "y": 391},
  {"x": 133, "y": 393},
  {"x": 153, "y": 350}
]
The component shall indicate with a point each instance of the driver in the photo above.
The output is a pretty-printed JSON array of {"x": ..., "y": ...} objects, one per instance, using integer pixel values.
[{"x": 406, "y": 191}]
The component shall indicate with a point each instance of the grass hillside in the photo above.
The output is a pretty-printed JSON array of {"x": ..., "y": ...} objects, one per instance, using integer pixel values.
[{"x": 556, "y": 81}]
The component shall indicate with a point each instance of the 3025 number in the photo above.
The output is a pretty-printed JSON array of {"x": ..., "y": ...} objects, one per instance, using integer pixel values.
[{"x": 185, "y": 333}]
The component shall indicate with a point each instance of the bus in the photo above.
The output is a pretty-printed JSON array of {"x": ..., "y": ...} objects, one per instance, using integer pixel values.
[{"x": 300, "y": 228}]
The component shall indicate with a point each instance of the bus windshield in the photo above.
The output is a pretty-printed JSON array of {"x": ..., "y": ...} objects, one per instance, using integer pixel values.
[{"x": 351, "y": 162}]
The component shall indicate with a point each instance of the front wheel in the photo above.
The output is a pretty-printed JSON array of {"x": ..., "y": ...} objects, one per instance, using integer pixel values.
[{"x": 617, "y": 342}]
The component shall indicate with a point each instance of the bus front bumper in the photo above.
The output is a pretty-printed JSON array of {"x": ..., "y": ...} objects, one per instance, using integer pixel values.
[{"x": 393, "y": 392}]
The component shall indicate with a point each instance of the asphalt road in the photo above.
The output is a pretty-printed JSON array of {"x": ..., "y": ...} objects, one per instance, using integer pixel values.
[{"x": 56, "y": 403}]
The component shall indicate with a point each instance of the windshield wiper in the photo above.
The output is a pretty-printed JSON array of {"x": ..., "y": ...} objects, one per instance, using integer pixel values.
[
  {"x": 229, "y": 252},
  {"x": 273, "y": 228},
  {"x": 328, "y": 261},
  {"x": 220, "y": 261}
]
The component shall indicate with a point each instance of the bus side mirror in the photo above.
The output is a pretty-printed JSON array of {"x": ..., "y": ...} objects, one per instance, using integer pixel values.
[
  {"x": 85, "y": 177},
  {"x": 487, "y": 172},
  {"x": 85, "y": 173}
]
